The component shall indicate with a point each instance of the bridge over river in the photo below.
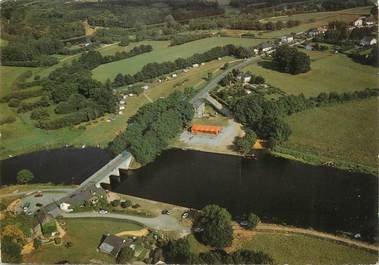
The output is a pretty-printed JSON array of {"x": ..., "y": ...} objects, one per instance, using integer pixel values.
[{"x": 112, "y": 169}]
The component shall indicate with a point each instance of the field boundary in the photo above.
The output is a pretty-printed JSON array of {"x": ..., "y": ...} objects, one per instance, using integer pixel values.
[{"x": 309, "y": 232}]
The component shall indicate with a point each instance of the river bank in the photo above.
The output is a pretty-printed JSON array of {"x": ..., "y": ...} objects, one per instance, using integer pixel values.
[{"x": 317, "y": 160}]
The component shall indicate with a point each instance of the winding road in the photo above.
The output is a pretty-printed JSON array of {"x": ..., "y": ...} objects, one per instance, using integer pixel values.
[{"x": 161, "y": 222}]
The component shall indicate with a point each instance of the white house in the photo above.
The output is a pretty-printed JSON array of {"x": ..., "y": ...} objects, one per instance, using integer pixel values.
[
  {"x": 174, "y": 75},
  {"x": 122, "y": 102},
  {"x": 65, "y": 207},
  {"x": 368, "y": 41},
  {"x": 195, "y": 65},
  {"x": 286, "y": 39},
  {"x": 265, "y": 47},
  {"x": 358, "y": 22}
]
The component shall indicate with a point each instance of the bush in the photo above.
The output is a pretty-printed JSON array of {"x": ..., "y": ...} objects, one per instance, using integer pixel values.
[
  {"x": 126, "y": 255},
  {"x": 24, "y": 176},
  {"x": 8, "y": 119},
  {"x": 252, "y": 221},
  {"x": 39, "y": 114},
  {"x": 37, "y": 243},
  {"x": 14, "y": 103},
  {"x": 10, "y": 250},
  {"x": 57, "y": 240},
  {"x": 49, "y": 228},
  {"x": 115, "y": 203},
  {"x": 126, "y": 204}
]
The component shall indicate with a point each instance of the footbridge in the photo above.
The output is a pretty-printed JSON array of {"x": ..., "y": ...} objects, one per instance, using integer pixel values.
[{"x": 111, "y": 171}]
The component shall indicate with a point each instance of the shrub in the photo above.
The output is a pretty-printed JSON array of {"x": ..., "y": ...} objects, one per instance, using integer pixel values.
[
  {"x": 14, "y": 103},
  {"x": 125, "y": 204},
  {"x": 126, "y": 254},
  {"x": 24, "y": 176},
  {"x": 39, "y": 114},
  {"x": 57, "y": 240},
  {"x": 37, "y": 243},
  {"x": 252, "y": 221},
  {"x": 115, "y": 203},
  {"x": 8, "y": 119},
  {"x": 49, "y": 227}
]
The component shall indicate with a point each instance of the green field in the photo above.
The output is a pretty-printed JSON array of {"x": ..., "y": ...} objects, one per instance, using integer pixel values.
[
  {"x": 162, "y": 52},
  {"x": 329, "y": 72},
  {"x": 300, "y": 249},
  {"x": 314, "y": 20},
  {"x": 345, "y": 132},
  {"x": 85, "y": 234},
  {"x": 22, "y": 136}
]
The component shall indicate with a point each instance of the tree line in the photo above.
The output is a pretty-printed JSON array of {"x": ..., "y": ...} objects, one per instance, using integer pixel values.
[
  {"x": 153, "y": 70},
  {"x": 178, "y": 39},
  {"x": 264, "y": 117},
  {"x": 153, "y": 126}
]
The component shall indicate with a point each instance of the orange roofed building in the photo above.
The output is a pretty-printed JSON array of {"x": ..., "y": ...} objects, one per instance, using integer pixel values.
[{"x": 207, "y": 129}]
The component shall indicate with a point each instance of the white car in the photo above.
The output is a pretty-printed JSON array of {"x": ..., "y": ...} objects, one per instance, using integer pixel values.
[{"x": 103, "y": 212}]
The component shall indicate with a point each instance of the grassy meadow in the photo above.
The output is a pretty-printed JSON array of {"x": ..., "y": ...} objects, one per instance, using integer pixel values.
[
  {"x": 300, "y": 249},
  {"x": 329, "y": 72},
  {"x": 162, "y": 52},
  {"x": 345, "y": 132},
  {"x": 85, "y": 235}
]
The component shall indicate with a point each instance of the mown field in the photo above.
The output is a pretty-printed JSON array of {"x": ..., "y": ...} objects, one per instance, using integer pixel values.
[
  {"x": 300, "y": 249},
  {"x": 85, "y": 235},
  {"x": 329, "y": 72},
  {"x": 346, "y": 132},
  {"x": 22, "y": 136},
  {"x": 163, "y": 52}
]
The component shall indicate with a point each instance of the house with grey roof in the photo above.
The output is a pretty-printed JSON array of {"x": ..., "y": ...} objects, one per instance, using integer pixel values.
[{"x": 111, "y": 244}]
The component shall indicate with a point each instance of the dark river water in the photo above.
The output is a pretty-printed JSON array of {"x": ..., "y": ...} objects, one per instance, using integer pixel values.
[
  {"x": 278, "y": 190},
  {"x": 60, "y": 166}
]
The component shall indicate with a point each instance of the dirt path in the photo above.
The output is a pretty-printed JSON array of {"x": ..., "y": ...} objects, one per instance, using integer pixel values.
[
  {"x": 283, "y": 229},
  {"x": 28, "y": 248},
  {"x": 139, "y": 233}
]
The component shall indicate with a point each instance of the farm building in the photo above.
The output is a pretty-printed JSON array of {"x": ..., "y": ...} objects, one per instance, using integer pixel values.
[{"x": 205, "y": 129}]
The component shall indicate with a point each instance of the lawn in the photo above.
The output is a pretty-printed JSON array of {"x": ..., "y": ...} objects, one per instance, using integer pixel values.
[
  {"x": 162, "y": 53},
  {"x": 300, "y": 249},
  {"x": 345, "y": 132},
  {"x": 22, "y": 136},
  {"x": 329, "y": 72},
  {"x": 85, "y": 234}
]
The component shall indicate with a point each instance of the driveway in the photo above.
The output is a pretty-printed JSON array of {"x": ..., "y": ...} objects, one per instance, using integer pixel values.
[{"x": 161, "y": 222}]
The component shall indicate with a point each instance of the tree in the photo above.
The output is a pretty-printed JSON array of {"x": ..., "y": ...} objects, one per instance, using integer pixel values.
[
  {"x": 24, "y": 176},
  {"x": 10, "y": 250},
  {"x": 126, "y": 255},
  {"x": 124, "y": 41},
  {"x": 177, "y": 251},
  {"x": 289, "y": 60},
  {"x": 216, "y": 224},
  {"x": 244, "y": 144},
  {"x": 252, "y": 221},
  {"x": 12, "y": 231}
]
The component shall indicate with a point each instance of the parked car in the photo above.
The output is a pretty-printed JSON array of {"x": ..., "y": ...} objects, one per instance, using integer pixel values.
[
  {"x": 102, "y": 211},
  {"x": 244, "y": 223},
  {"x": 197, "y": 229},
  {"x": 167, "y": 212},
  {"x": 185, "y": 215},
  {"x": 38, "y": 194}
]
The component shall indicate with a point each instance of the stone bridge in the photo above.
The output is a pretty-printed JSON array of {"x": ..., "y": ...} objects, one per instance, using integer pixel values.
[{"x": 110, "y": 172}]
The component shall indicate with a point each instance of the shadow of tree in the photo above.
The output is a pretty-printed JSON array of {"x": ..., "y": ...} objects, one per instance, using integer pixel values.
[{"x": 268, "y": 64}]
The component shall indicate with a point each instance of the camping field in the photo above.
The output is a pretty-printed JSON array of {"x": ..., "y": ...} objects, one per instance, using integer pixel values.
[
  {"x": 329, "y": 72},
  {"x": 85, "y": 235},
  {"x": 162, "y": 52},
  {"x": 344, "y": 132},
  {"x": 22, "y": 136}
]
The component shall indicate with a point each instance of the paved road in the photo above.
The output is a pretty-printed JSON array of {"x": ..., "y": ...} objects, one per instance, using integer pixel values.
[
  {"x": 213, "y": 83},
  {"x": 161, "y": 222},
  {"x": 58, "y": 190}
]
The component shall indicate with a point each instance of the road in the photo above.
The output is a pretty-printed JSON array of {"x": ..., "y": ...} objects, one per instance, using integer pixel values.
[
  {"x": 161, "y": 222},
  {"x": 213, "y": 83},
  {"x": 107, "y": 169},
  {"x": 58, "y": 190}
]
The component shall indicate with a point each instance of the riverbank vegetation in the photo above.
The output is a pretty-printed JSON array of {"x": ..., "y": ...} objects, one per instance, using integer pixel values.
[{"x": 149, "y": 131}]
